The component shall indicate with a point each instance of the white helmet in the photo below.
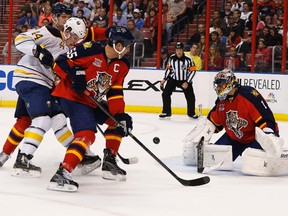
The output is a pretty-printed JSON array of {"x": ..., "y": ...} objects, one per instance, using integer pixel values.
[{"x": 76, "y": 26}]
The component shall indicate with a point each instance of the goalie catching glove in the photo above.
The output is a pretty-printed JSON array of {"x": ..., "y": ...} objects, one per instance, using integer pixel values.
[
  {"x": 126, "y": 124},
  {"x": 44, "y": 56},
  {"x": 78, "y": 76}
]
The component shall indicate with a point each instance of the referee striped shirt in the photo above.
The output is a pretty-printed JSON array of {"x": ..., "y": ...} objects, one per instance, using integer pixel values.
[{"x": 181, "y": 69}]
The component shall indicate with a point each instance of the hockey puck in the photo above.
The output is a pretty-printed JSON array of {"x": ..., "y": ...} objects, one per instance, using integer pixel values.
[{"x": 156, "y": 140}]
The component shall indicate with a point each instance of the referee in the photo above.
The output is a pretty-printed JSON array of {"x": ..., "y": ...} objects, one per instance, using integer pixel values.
[{"x": 179, "y": 72}]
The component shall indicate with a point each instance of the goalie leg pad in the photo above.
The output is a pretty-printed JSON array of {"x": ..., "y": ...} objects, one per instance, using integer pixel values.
[
  {"x": 256, "y": 162},
  {"x": 213, "y": 155}
]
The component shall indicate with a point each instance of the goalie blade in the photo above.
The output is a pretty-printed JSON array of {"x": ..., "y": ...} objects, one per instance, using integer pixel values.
[
  {"x": 23, "y": 173},
  {"x": 54, "y": 186},
  {"x": 211, "y": 168}
]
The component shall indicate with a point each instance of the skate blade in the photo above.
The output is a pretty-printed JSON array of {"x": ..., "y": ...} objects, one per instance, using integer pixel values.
[
  {"x": 165, "y": 118},
  {"x": 89, "y": 168},
  {"x": 54, "y": 186},
  {"x": 25, "y": 173},
  {"x": 109, "y": 176}
]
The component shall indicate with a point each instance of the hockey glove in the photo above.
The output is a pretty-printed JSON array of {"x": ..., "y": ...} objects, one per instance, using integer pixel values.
[
  {"x": 78, "y": 76},
  {"x": 126, "y": 124},
  {"x": 44, "y": 56}
]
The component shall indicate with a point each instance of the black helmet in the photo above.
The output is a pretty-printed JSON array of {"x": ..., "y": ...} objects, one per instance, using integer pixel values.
[
  {"x": 179, "y": 45},
  {"x": 62, "y": 8},
  {"x": 120, "y": 34}
]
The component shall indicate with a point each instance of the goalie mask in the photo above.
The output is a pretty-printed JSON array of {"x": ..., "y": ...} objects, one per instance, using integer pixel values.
[
  {"x": 224, "y": 82},
  {"x": 119, "y": 34},
  {"x": 75, "y": 28}
]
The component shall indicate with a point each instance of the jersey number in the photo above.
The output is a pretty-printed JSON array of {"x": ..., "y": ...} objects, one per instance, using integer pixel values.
[
  {"x": 72, "y": 53},
  {"x": 36, "y": 35}
]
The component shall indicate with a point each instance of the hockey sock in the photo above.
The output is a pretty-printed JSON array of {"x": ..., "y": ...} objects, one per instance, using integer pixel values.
[
  {"x": 113, "y": 141},
  {"x": 16, "y": 134},
  {"x": 77, "y": 149},
  {"x": 61, "y": 130}
]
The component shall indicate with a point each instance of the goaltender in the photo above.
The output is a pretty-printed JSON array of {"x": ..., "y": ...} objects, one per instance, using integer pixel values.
[{"x": 250, "y": 131}]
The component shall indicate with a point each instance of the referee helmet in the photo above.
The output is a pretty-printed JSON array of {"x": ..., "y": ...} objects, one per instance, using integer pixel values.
[{"x": 179, "y": 45}]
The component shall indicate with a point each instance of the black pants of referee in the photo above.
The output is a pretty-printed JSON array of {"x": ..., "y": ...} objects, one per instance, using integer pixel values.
[{"x": 188, "y": 92}]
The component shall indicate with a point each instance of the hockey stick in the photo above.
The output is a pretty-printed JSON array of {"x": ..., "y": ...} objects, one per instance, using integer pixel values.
[
  {"x": 200, "y": 159},
  {"x": 192, "y": 182},
  {"x": 213, "y": 167},
  {"x": 200, "y": 156},
  {"x": 132, "y": 160}
]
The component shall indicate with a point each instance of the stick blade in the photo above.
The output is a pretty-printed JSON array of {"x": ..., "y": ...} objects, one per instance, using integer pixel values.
[
  {"x": 195, "y": 182},
  {"x": 133, "y": 160}
]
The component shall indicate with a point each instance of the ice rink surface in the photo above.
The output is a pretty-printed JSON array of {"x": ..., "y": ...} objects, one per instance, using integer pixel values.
[{"x": 149, "y": 190}]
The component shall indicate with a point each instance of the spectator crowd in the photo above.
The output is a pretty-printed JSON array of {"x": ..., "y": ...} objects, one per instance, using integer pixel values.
[{"x": 229, "y": 31}]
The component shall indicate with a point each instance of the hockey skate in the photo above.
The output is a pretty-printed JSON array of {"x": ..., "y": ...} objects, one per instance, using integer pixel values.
[
  {"x": 110, "y": 169},
  {"x": 62, "y": 181},
  {"x": 3, "y": 158},
  {"x": 24, "y": 168},
  {"x": 164, "y": 116},
  {"x": 89, "y": 163}
]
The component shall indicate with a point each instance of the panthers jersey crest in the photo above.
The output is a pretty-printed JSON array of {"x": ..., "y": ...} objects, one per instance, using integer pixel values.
[
  {"x": 234, "y": 123},
  {"x": 100, "y": 85}
]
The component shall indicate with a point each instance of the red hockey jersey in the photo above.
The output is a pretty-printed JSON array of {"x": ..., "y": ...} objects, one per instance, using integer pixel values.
[
  {"x": 103, "y": 79},
  {"x": 240, "y": 114}
]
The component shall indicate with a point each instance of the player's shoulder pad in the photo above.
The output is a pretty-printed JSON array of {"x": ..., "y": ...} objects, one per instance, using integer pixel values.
[
  {"x": 126, "y": 61},
  {"x": 55, "y": 32},
  {"x": 89, "y": 48},
  {"x": 248, "y": 92}
]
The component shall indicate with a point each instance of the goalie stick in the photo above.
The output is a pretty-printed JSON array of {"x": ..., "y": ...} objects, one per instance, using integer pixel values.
[
  {"x": 200, "y": 156},
  {"x": 200, "y": 159},
  {"x": 192, "y": 182},
  {"x": 132, "y": 160}
]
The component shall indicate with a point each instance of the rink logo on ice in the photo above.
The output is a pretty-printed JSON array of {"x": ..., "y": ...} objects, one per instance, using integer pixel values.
[
  {"x": 271, "y": 98},
  {"x": 6, "y": 80}
]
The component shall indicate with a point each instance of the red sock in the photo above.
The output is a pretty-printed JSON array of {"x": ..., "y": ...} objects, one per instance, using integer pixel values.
[
  {"x": 77, "y": 149},
  {"x": 16, "y": 134}
]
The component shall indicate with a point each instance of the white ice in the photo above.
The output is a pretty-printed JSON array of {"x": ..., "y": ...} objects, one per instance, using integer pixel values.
[{"x": 149, "y": 190}]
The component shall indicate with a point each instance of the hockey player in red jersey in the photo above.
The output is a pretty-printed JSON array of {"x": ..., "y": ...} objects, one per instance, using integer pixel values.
[
  {"x": 61, "y": 12},
  {"x": 102, "y": 71},
  {"x": 244, "y": 114},
  {"x": 49, "y": 43}
]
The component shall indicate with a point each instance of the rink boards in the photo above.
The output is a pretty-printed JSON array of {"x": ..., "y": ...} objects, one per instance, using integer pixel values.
[{"x": 143, "y": 94}]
